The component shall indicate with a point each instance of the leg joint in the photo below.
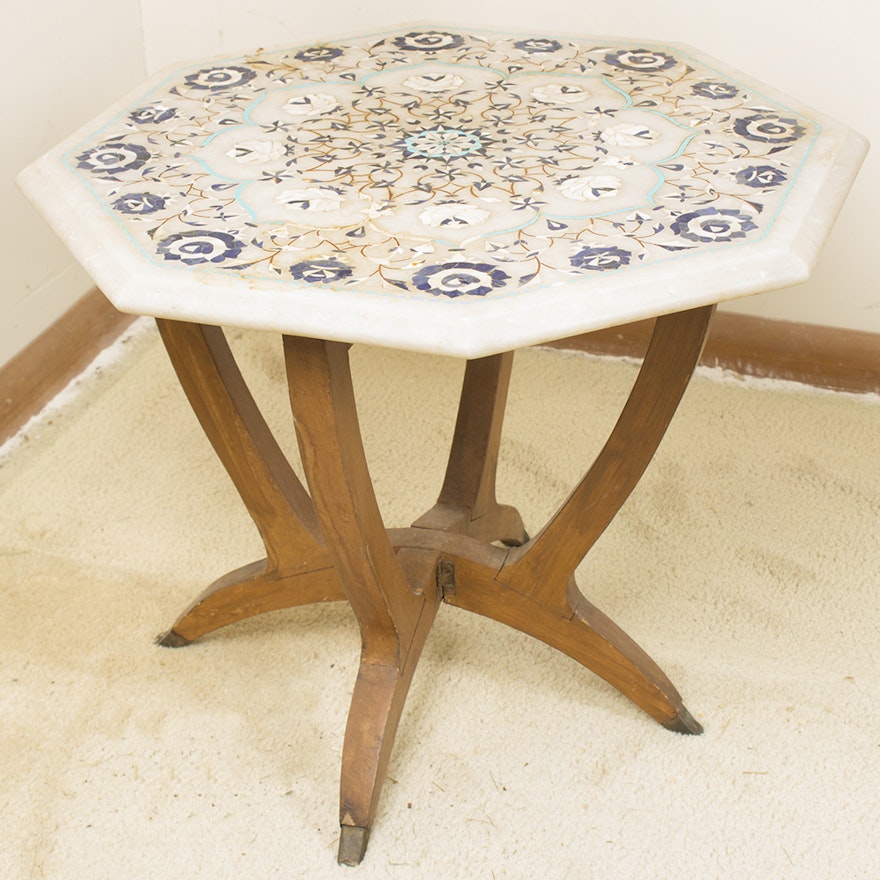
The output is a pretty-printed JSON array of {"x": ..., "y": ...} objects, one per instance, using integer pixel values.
[{"x": 445, "y": 576}]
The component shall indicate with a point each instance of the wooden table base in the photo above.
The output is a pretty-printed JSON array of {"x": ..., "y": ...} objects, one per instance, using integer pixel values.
[{"x": 468, "y": 550}]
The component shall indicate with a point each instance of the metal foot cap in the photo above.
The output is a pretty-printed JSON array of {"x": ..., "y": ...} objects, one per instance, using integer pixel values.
[
  {"x": 684, "y": 722},
  {"x": 172, "y": 639},
  {"x": 352, "y": 844}
]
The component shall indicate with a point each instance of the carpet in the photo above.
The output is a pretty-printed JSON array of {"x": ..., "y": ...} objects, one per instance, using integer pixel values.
[{"x": 746, "y": 563}]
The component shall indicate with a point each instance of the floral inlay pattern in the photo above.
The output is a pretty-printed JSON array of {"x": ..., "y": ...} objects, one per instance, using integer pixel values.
[{"x": 444, "y": 164}]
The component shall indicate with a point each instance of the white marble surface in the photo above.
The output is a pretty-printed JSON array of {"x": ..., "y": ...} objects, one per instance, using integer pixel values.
[{"x": 446, "y": 191}]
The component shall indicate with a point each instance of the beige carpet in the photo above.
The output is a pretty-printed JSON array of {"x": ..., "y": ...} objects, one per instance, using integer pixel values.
[{"x": 747, "y": 563}]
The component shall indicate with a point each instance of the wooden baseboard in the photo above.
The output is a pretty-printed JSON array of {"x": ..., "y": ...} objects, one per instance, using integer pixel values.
[
  {"x": 825, "y": 357},
  {"x": 35, "y": 375}
]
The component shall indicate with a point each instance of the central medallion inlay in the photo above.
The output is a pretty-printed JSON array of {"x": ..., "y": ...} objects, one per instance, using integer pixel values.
[{"x": 443, "y": 143}]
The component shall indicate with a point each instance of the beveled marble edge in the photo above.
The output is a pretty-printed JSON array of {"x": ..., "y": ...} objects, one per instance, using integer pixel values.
[
  {"x": 784, "y": 257},
  {"x": 817, "y": 202}
]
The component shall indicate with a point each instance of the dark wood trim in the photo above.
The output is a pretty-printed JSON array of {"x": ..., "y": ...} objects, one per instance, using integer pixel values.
[
  {"x": 825, "y": 357},
  {"x": 62, "y": 351}
]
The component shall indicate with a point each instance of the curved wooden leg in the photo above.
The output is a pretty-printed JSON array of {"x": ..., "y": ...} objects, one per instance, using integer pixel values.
[
  {"x": 587, "y": 635},
  {"x": 467, "y": 504},
  {"x": 535, "y": 589},
  {"x": 250, "y": 590},
  {"x": 376, "y": 706},
  {"x": 541, "y": 568},
  {"x": 395, "y": 616},
  {"x": 297, "y": 569}
]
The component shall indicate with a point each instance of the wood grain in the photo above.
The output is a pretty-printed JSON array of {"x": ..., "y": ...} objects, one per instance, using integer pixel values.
[
  {"x": 392, "y": 599},
  {"x": 467, "y": 502},
  {"x": 824, "y": 357},
  {"x": 298, "y": 569},
  {"x": 542, "y": 568},
  {"x": 36, "y": 374}
]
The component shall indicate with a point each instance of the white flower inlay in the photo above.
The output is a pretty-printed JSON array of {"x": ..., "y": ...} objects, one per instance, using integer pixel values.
[
  {"x": 426, "y": 82},
  {"x": 377, "y": 209},
  {"x": 627, "y": 135},
  {"x": 559, "y": 94},
  {"x": 312, "y": 198},
  {"x": 617, "y": 161},
  {"x": 256, "y": 152},
  {"x": 453, "y": 214},
  {"x": 311, "y": 105},
  {"x": 589, "y": 189}
]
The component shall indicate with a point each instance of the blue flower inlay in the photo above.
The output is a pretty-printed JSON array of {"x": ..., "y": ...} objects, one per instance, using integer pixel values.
[
  {"x": 217, "y": 78},
  {"x": 600, "y": 259},
  {"x": 196, "y": 247},
  {"x": 715, "y": 90},
  {"x": 769, "y": 128},
  {"x": 761, "y": 176},
  {"x": 642, "y": 60},
  {"x": 428, "y": 41},
  {"x": 460, "y": 279},
  {"x": 320, "y": 271},
  {"x": 713, "y": 225},
  {"x": 147, "y": 115},
  {"x": 113, "y": 158},
  {"x": 139, "y": 203},
  {"x": 538, "y": 45},
  {"x": 318, "y": 53}
]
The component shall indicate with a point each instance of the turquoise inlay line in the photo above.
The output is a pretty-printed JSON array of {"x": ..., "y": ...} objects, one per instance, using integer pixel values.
[
  {"x": 125, "y": 228},
  {"x": 126, "y": 112},
  {"x": 242, "y": 202},
  {"x": 619, "y": 90},
  {"x": 678, "y": 152},
  {"x": 253, "y": 106},
  {"x": 211, "y": 137},
  {"x": 661, "y": 179},
  {"x": 787, "y": 192},
  {"x": 210, "y": 170}
]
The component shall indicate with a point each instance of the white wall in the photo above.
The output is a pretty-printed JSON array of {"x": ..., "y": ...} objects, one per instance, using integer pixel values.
[
  {"x": 60, "y": 63},
  {"x": 825, "y": 56}
]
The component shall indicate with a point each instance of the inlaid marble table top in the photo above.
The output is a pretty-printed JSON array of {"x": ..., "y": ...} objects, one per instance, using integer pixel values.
[{"x": 445, "y": 190}]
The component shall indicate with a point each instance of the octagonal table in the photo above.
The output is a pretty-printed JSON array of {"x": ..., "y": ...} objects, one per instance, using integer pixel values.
[{"x": 451, "y": 192}]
